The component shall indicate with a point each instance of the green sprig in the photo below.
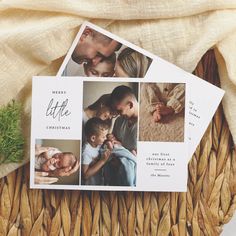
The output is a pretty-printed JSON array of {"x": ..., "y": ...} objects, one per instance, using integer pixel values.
[{"x": 11, "y": 137}]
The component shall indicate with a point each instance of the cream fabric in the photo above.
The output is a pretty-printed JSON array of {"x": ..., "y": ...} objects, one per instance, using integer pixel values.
[
  {"x": 35, "y": 35},
  {"x": 169, "y": 93}
]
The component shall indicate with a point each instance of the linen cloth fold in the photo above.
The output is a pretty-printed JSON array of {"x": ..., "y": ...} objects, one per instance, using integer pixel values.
[{"x": 36, "y": 35}]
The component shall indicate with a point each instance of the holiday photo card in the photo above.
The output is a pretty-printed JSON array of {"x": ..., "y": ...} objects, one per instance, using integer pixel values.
[
  {"x": 117, "y": 117},
  {"x": 97, "y": 52},
  {"x": 97, "y": 134}
]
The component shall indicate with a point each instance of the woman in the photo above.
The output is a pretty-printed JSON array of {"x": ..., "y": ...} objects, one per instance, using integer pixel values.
[
  {"x": 132, "y": 64},
  {"x": 101, "y": 109}
]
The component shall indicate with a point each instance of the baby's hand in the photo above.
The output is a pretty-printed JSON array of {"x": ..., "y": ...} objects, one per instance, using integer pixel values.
[{"x": 105, "y": 156}]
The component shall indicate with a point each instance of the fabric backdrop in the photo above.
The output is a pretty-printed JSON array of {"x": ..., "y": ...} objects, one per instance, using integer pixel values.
[{"x": 36, "y": 35}]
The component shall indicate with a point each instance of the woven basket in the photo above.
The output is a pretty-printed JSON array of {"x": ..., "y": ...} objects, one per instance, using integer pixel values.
[{"x": 209, "y": 203}]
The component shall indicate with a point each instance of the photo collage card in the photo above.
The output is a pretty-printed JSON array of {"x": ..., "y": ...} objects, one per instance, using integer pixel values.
[{"x": 116, "y": 118}]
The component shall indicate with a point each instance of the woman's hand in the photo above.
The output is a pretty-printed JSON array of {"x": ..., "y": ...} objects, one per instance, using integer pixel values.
[
  {"x": 41, "y": 178},
  {"x": 65, "y": 171}
]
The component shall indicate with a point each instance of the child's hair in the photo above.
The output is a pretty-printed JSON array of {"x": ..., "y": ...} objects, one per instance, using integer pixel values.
[
  {"x": 73, "y": 159},
  {"x": 134, "y": 63},
  {"x": 111, "y": 59},
  {"x": 94, "y": 126}
]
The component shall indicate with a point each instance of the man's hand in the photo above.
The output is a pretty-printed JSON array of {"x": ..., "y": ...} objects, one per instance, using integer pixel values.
[
  {"x": 41, "y": 178},
  {"x": 65, "y": 171},
  {"x": 105, "y": 156}
]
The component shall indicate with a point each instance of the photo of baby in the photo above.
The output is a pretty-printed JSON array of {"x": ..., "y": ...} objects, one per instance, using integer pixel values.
[
  {"x": 162, "y": 109},
  {"x": 109, "y": 134},
  {"x": 98, "y": 55},
  {"x": 54, "y": 163}
]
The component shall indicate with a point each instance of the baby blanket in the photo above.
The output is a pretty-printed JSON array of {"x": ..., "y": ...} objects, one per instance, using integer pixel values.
[{"x": 125, "y": 174}]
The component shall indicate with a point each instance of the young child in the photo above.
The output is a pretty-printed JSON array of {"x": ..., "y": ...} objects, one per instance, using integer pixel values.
[
  {"x": 96, "y": 131},
  {"x": 162, "y": 99},
  {"x": 53, "y": 159},
  {"x": 105, "y": 68}
]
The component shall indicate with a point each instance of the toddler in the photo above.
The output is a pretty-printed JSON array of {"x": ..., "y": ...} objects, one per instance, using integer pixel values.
[{"x": 96, "y": 131}]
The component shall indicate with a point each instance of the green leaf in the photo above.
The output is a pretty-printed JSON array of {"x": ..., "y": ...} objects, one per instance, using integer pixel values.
[{"x": 11, "y": 137}]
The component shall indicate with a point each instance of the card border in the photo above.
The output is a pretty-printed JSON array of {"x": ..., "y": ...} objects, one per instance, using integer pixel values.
[{"x": 111, "y": 188}]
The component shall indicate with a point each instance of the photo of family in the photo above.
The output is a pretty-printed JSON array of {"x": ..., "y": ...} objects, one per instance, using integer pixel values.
[
  {"x": 97, "y": 55},
  {"x": 109, "y": 127},
  {"x": 162, "y": 108},
  {"x": 57, "y": 161}
]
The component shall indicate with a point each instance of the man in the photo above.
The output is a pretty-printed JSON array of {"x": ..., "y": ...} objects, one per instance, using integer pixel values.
[
  {"x": 124, "y": 101},
  {"x": 93, "y": 46}
]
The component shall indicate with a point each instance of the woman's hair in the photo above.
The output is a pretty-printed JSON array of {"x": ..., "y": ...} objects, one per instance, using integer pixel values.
[
  {"x": 134, "y": 63},
  {"x": 104, "y": 100}
]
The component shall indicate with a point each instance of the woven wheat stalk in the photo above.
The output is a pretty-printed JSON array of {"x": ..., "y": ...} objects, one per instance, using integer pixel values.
[{"x": 208, "y": 205}]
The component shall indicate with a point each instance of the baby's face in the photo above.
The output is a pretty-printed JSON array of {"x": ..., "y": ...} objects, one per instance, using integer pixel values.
[
  {"x": 102, "y": 69},
  {"x": 65, "y": 161},
  {"x": 58, "y": 161},
  {"x": 50, "y": 164},
  {"x": 111, "y": 137}
]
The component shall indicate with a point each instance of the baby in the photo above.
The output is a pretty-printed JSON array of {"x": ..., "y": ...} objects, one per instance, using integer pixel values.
[
  {"x": 163, "y": 99},
  {"x": 105, "y": 68},
  {"x": 111, "y": 142},
  {"x": 54, "y": 159}
]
